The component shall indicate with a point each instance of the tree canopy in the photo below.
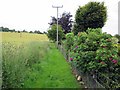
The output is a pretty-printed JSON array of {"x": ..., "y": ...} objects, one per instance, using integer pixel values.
[
  {"x": 92, "y": 15},
  {"x": 65, "y": 21},
  {"x": 52, "y": 33}
]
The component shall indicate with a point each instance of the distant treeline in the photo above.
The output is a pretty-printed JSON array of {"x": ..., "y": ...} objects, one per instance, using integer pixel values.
[{"x": 5, "y": 29}]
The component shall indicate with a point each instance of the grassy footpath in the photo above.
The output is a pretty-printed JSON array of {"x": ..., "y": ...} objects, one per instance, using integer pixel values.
[
  {"x": 51, "y": 72},
  {"x": 30, "y": 61}
]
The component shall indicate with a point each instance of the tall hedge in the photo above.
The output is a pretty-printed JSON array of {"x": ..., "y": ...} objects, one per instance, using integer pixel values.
[{"x": 96, "y": 53}]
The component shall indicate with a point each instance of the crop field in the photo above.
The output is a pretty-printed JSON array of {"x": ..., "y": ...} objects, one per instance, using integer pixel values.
[
  {"x": 31, "y": 61},
  {"x": 22, "y": 37}
]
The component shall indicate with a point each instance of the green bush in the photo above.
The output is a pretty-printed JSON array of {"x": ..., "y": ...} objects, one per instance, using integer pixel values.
[
  {"x": 95, "y": 52},
  {"x": 69, "y": 40},
  {"x": 119, "y": 49},
  {"x": 118, "y": 37},
  {"x": 52, "y": 33}
]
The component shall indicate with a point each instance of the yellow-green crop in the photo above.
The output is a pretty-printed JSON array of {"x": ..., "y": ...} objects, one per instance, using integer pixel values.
[{"x": 22, "y": 37}]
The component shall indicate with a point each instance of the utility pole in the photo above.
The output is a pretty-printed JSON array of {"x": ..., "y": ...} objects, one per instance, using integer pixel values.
[{"x": 57, "y": 19}]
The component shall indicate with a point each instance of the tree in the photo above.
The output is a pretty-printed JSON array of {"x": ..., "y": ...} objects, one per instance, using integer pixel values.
[
  {"x": 118, "y": 37},
  {"x": 24, "y": 30},
  {"x": 5, "y": 29},
  {"x": 1, "y": 29},
  {"x": 92, "y": 15},
  {"x": 44, "y": 32},
  {"x": 13, "y": 30},
  {"x": 38, "y": 32},
  {"x": 65, "y": 21},
  {"x": 31, "y": 32},
  {"x": 52, "y": 33},
  {"x": 19, "y": 31}
]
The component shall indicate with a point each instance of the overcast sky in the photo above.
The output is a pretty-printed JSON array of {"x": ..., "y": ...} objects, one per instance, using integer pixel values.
[{"x": 36, "y": 14}]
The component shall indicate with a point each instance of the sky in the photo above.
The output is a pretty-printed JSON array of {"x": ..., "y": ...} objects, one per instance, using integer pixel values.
[{"x": 34, "y": 15}]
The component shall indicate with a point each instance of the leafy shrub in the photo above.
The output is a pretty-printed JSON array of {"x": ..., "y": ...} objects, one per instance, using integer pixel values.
[
  {"x": 118, "y": 37},
  {"x": 52, "y": 33},
  {"x": 95, "y": 52},
  {"x": 69, "y": 40},
  {"x": 119, "y": 49}
]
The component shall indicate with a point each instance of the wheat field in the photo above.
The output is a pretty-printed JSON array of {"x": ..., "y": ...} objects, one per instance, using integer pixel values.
[{"x": 22, "y": 37}]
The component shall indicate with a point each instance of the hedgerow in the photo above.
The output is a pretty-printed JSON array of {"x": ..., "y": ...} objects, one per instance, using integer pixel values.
[{"x": 95, "y": 52}]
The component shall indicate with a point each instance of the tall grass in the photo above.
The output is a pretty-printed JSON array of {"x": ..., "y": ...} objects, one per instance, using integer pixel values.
[
  {"x": 52, "y": 71},
  {"x": 35, "y": 65},
  {"x": 31, "y": 61},
  {"x": 19, "y": 52},
  {"x": 17, "y": 60}
]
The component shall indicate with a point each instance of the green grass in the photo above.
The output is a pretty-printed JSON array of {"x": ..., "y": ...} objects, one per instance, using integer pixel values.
[
  {"x": 31, "y": 61},
  {"x": 17, "y": 60},
  {"x": 51, "y": 72}
]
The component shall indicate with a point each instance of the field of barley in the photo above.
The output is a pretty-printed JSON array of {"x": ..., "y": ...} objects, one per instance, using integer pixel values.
[
  {"x": 31, "y": 61},
  {"x": 22, "y": 37}
]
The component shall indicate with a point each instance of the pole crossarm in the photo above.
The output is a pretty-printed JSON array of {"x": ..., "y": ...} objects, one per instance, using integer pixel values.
[
  {"x": 57, "y": 6},
  {"x": 57, "y": 19}
]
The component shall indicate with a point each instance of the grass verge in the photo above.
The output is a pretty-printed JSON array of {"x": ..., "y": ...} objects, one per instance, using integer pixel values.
[
  {"x": 35, "y": 65},
  {"x": 51, "y": 72}
]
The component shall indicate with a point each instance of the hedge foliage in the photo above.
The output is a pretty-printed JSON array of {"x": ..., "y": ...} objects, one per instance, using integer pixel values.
[{"x": 96, "y": 53}]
